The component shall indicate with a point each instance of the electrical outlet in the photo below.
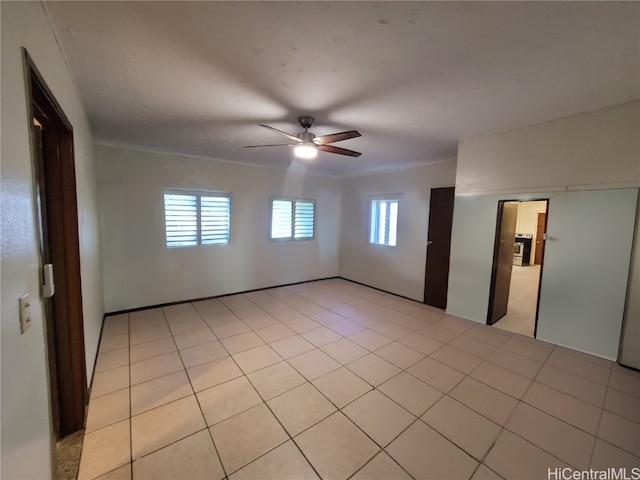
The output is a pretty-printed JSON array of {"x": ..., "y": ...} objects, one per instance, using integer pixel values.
[{"x": 25, "y": 313}]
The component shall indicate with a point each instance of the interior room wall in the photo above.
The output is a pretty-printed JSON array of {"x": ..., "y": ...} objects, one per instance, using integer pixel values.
[
  {"x": 399, "y": 269},
  {"x": 630, "y": 343},
  {"x": 26, "y": 440},
  {"x": 139, "y": 270},
  {"x": 593, "y": 151}
]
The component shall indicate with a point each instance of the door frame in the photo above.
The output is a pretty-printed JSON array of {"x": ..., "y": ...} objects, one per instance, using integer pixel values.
[{"x": 56, "y": 211}]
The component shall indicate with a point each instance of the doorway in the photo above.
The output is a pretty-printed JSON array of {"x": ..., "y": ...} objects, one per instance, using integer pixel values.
[
  {"x": 517, "y": 265},
  {"x": 57, "y": 216}
]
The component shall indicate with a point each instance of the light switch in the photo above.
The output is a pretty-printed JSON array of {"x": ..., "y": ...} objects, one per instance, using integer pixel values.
[{"x": 25, "y": 313}]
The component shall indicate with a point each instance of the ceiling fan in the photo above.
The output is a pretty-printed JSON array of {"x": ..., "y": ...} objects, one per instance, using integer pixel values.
[{"x": 306, "y": 144}]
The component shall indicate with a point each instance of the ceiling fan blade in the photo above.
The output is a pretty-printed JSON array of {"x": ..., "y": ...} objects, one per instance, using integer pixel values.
[
  {"x": 338, "y": 150},
  {"x": 272, "y": 145},
  {"x": 288, "y": 135},
  {"x": 336, "y": 137}
]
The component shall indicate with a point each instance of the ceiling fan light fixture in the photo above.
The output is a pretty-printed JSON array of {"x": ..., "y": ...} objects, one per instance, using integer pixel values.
[{"x": 305, "y": 151}]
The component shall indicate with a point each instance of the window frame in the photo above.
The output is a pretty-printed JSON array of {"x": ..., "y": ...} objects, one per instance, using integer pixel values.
[
  {"x": 199, "y": 194},
  {"x": 293, "y": 201},
  {"x": 371, "y": 233}
]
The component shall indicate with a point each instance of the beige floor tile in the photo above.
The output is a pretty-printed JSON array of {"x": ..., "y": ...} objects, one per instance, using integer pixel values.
[
  {"x": 199, "y": 354},
  {"x": 623, "y": 404},
  {"x": 399, "y": 355},
  {"x": 275, "y": 379},
  {"x": 336, "y": 447},
  {"x": 291, "y": 346},
  {"x": 516, "y": 363},
  {"x": 456, "y": 359},
  {"x": 242, "y": 342},
  {"x": 502, "y": 379},
  {"x": 105, "y": 450},
  {"x": 514, "y": 457},
  {"x": 438, "y": 333},
  {"x": 346, "y": 327},
  {"x": 580, "y": 367},
  {"x": 138, "y": 325},
  {"x": 625, "y": 382},
  {"x": 275, "y": 332},
  {"x": 370, "y": 340},
  {"x": 256, "y": 358},
  {"x": 137, "y": 337},
  {"x": 373, "y": 369},
  {"x": 196, "y": 337},
  {"x": 110, "y": 381},
  {"x": 113, "y": 359},
  {"x": 313, "y": 364},
  {"x": 227, "y": 399},
  {"x": 467, "y": 429},
  {"x": 113, "y": 327},
  {"x": 381, "y": 467},
  {"x": 191, "y": 458},
  {"x": 391, "y": 330},
  {"x": 155, "y": 367},
  {"x": 488, "y": 334},
  {"x": 245, "y": 437},
  {"x": 573, "y": 385},
  {"x": 575, "y": 412},
  {"x": 114, "y": 342},
  {"x": 436, "y": 374},
  {"x": 441, "y": 460},
  {"x": 213, "y": 373},
  {"x": 180, "y": 312},
  {"x": 300, "y": 408},
  {"x": 159, "y": 391},
  {"x": 473, "y": 346},
  {"x": 341, "y": 386},
  {"x": 380, "y": 418},
  {"x": 302, "y": 324},
  {"x": 485, "y": 400},
  {"x": 620, "y": 432},
  {"x": 320, "y": 336},
  {"x": 560, "y": 439},
  {"x": 485, "y": 473},
  {"x": 121, "y": 473},
  {"x": 326, "y": 317},
  {"x": 178, "y": 328},
  {"x": 606, "y": 456},
  {"x": 164, "y": 425},
  {"x": 283, "y": 462},
  {"x": 454, "y": 323},
  {"x": 107, "y": 410},
  {"x": 420, "y": 343},
  {"x": 344, "y": 351},
  {"x": 528, "y": 347},
  {"x": 152, "y": 349},
  {"x": 257, "y": 320},
  {"x": 230, "y": 329},
  {"x": 411, "y": 393}
]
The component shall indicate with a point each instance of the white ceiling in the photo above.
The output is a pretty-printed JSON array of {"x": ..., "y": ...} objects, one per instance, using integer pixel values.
[{"x": 413, "y": 77}]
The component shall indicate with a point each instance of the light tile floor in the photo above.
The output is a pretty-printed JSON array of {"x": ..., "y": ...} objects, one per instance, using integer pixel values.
[
  {"x": 523, "y": 299},
  {"x": 335, "y": 380}
]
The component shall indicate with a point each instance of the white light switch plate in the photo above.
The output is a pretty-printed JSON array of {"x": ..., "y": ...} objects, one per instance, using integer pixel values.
[{"x": 25, "y": 313}]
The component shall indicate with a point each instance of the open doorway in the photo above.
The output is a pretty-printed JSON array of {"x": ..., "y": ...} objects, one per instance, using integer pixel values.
[{"x": 517, "y": 265}]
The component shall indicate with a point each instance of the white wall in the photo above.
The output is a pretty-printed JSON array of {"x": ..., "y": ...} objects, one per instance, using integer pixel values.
[
  {"x": 598, "y": 150},
  {"x": 139, "y": 270},
  {"x": 26, "y": 441},
  {"x": 399, "y": 269}
]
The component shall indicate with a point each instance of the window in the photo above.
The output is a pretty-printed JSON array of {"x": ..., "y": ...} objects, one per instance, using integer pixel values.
[
  {"x": 384, "y": 221},
  {"x": 194, "y": 217},
  {"x": 292, "y": 219}
]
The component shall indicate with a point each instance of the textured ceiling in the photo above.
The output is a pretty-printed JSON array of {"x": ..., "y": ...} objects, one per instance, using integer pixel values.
[{"x": 413, "y": 77}]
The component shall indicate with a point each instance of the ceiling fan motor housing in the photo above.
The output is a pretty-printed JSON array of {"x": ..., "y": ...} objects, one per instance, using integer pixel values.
[
  {"x": 305, "y": 121},
  {"x": 306, "y": 137}
]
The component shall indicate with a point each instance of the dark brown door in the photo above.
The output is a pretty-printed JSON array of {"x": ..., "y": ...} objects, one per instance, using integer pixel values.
[
  {"x": 52, "y": 141},
  {"x": 439, "y": 246},
  {"x": 502, "y": 261},
  {"x": 540, "y": 230}
]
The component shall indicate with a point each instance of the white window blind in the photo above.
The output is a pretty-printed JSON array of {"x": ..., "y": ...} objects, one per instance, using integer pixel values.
[
  {"x": 292, "y": 219},
  {"x": 196, "y": 218},
  {"x": 384, "y": 222}
]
